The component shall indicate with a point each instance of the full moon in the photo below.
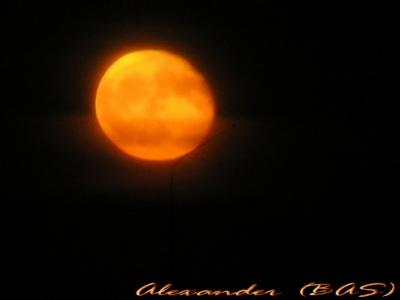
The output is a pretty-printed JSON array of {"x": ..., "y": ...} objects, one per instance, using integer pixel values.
[{"x": 154, "y": 105}]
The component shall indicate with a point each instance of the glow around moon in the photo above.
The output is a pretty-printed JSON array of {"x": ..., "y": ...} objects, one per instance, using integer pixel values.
[{"x": 154, "y": 105}]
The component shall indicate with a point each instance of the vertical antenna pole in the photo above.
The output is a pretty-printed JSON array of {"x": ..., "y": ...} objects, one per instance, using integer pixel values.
[
  {"x": 172, "y": 215},
  {"x": 172, "y": 220}
]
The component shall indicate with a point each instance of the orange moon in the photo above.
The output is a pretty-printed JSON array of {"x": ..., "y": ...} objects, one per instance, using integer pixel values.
[{"x": 154, "y": 105}]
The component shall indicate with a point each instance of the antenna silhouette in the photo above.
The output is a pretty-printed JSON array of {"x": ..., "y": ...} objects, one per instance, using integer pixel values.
[{"x": 174, "y": 165}]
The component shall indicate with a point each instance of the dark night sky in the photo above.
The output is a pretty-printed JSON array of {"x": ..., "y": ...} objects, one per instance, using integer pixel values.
[{"x": 304, "y": 188}]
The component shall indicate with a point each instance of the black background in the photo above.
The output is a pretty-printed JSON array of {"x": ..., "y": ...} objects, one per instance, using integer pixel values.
[{"x": 303, "y": 189}]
